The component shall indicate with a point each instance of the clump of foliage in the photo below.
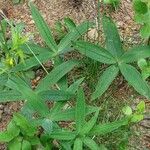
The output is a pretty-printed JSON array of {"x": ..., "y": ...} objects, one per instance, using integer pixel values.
[
  {"x": 117, "y": 59},
  {"x": 142, "y": 13},
  {"x": 39, "y": 126},
  {"x": 113, "y": 3}
]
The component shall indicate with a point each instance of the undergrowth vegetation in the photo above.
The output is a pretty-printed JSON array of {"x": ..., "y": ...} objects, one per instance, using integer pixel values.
[{"x": 57, "y": 114}]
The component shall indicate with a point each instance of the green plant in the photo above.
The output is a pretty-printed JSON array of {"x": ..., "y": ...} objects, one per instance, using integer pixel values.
[
  {"x": 145, "y": 68},
  {"x": 17, "y": 1},
  {"x": 40, "y": 126},
  {"x": 142, "y": 16},
  {"x": 10, "y": 45},
  {"x": 114, "y": 3},
  {"x": 117, "y": 59}
]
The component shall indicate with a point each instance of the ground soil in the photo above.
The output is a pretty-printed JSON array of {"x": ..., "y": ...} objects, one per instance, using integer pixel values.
[{"x": 54, "y": 10}]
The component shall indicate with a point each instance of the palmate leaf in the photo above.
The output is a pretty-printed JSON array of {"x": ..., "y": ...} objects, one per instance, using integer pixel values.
[
  {"x": 113, "y": 43},
  {"x": 73, "y": 35},
  {"x": 55, "y": 75},
  {"x": 106, "y": 128},
  {"x": 136, "y": 53},
  {"x": 90, "y": 143},
  {"x": 105, "y": 80},
  {"x": 94, "y": 52},
  {"x": 33, "y": 61},
  {"x": 43, "y": 28},
  {"x": 78, "y": 144},
  {"x": 80, "y": 110},
  {"x": 134, "y": 78}
]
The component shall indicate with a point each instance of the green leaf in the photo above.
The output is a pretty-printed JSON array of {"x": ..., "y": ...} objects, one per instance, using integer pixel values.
[
  {"x": 135, "y": 54},
  {"x": 62, "y": 135},
  {"x": 113, "y": 42},
  {"x": 53, "y": 95},
  {"x": 106, "y": 128},
  {"x": 47, "y": 125},
  {"x": 89, "y": 125},
  {"x": 80, "y": 110},
  {"x": 78, "y": 144},
  {"x": 11, "y": 95},
  {"x": 74, "y": 87},
  {"x": 91, "y": 143},
  {"x": 127, "y": 110},
  {"x": 145, "y": 31},
  {"x": 36, "y": 49},
  {"x": 134, "y": 78},
  {"x": 69, "y": 114},
  {"x": 34, "y": 100},
  {"x": 142, "y": 63},
  {"x": 141, "y": 107},
  {"x": 24, "y": 124},
  {"x": 3, "y": 79},
  {"x": 11, "y": 133},
  {"x": 105, "y": 80},
  {"x": 33, "y": 61},
  {"x": 137, "y": 118},
  {"x": 69, "y": 23},
  {"x": 140, "y": 7},
  {"x": 73, "y": 35},
  {"x": 26, "y": 145},
  {"x": 15, "y": 144},
  {"x": 43, "y": 28},
  {"x": 94, "y": 52},
  {"x": 55, "y": 75}
]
